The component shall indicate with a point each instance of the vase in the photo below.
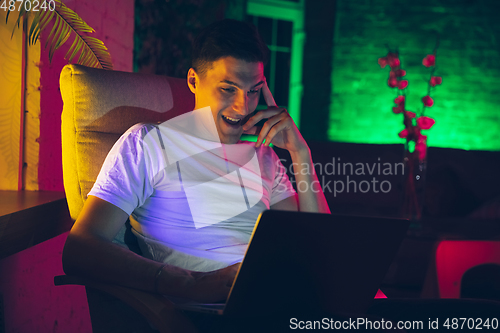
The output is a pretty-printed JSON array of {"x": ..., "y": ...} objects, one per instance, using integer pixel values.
[{"x": 415, "y": 164}]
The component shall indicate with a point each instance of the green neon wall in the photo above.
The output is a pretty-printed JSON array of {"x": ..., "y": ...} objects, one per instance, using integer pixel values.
[{"x": 467, "y": 104}]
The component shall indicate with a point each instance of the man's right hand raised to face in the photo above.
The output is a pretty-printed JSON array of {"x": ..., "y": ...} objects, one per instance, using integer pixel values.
[{"x": 279, "y": 129}]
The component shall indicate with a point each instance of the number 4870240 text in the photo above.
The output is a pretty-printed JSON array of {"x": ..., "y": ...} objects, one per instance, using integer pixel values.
[{"x": 28, "y": 5}]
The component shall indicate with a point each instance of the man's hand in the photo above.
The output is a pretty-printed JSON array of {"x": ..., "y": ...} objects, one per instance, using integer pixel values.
[
  {"x": 279, "y": 129},
  {"x": 212, "y": 286}
]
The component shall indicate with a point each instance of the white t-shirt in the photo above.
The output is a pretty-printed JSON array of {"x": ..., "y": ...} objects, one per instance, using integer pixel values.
[{"x": 192, "y": 205}]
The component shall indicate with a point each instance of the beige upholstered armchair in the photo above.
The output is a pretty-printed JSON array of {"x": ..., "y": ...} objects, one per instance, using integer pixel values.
[{"x": 99, "y": 106}]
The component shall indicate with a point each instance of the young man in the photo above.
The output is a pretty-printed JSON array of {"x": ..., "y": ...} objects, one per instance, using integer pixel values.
[{"x": 182, "y": 258}]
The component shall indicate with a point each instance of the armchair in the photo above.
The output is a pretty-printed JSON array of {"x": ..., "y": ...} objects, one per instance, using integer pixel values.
[
  {"x": 455, "y": 258},
  {"x": 99, "y": 106}
]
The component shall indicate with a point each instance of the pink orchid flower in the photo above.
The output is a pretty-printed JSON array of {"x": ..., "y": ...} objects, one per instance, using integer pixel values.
[
  {"x": 400, "y": 72},
  {"x": 398, "y": 109},
  {"x": 410, "y": 114},
  {"x": 393, "y": 60},
  {"x": 403, "y": 84},
  {"x": 425, "y": 122},
  {"x": 435, "y": 80},
  {"x": 400, "y": 99},
  {"x": 403, "y": 134},
  {"x": 382, "y": 62},
  {"x": 428, "y": 101},
  {"x": 429, "y": 60},
  {"x": 392, "y": 82}
]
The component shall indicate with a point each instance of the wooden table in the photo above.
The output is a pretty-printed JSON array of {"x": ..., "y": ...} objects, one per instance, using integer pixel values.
[{"x": 31, "y": 217}]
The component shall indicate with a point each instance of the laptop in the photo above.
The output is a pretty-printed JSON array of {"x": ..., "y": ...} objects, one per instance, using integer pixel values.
[{"x": 310, "y": 261}]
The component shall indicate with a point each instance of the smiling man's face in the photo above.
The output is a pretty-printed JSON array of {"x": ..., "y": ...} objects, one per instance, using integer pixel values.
[{"x": 231, "y": 88}]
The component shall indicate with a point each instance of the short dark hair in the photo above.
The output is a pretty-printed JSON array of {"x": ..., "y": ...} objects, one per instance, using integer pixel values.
[{"x": 226, "y": 38}]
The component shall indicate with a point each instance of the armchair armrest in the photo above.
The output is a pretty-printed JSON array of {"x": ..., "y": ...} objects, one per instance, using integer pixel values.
[{"x": 158, "y": 310}]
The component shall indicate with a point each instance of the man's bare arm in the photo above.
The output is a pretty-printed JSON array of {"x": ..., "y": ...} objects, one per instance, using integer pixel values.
[
  {"x": 89, "y": 252},
  {"x": 289, "y": 203},
  {"x": 310, "y": 196}
]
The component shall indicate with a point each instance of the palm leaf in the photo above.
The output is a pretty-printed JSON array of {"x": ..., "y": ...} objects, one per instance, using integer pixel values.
[
  {"x": 22, "y": 14},
  {"x": 45, "y": 19},
  {"x": 93, "y": 52},
  {"x": 35, "y": 24}
]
